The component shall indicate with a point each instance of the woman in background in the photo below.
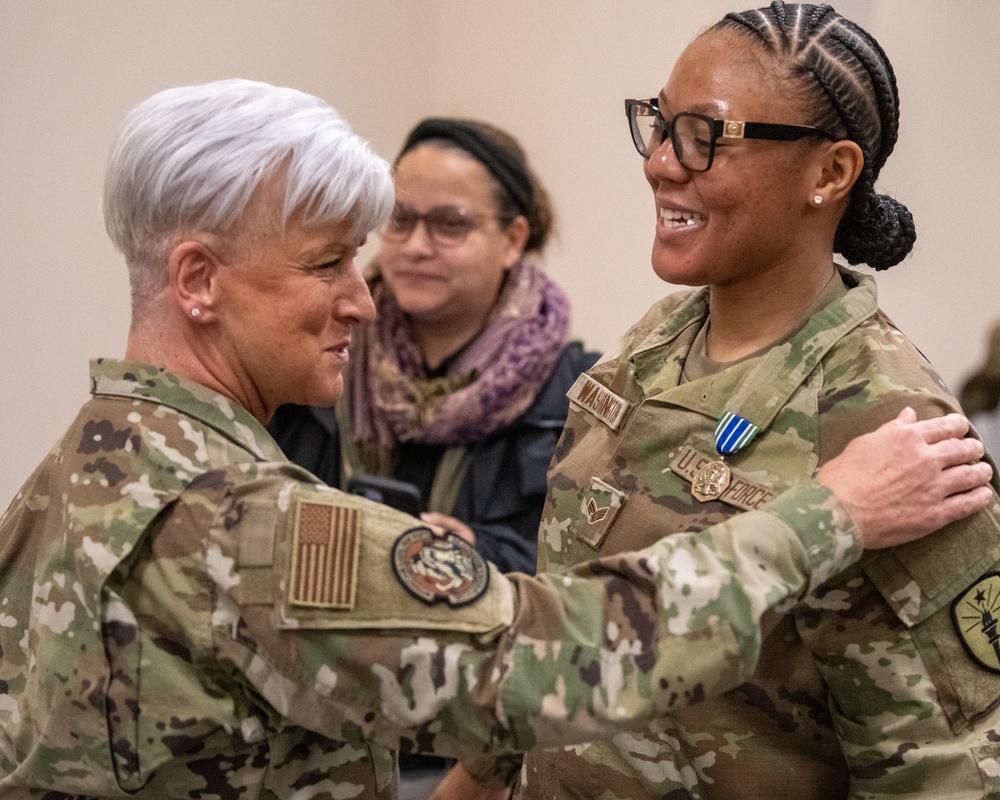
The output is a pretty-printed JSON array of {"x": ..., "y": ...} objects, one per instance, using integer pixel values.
[{"x": 459, "y": 386}]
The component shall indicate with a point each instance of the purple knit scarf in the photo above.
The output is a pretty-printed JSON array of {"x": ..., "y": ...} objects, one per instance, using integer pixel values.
[{"x": 492, "y": 382}]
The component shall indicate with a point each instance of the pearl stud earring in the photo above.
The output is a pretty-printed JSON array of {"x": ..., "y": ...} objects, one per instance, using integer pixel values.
[{"x": 195, "y": 312}]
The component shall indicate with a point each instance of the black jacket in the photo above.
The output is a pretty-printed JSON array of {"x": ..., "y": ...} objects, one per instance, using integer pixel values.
[{"x": 503, "y": 491}]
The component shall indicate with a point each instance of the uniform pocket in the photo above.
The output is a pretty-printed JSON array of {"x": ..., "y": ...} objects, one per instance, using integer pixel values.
[{"x": 945, "y": 589}]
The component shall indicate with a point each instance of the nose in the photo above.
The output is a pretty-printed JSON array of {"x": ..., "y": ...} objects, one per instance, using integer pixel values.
[
  {"x": 354, "y": 303},
  {"x": 664, "y": 165}
]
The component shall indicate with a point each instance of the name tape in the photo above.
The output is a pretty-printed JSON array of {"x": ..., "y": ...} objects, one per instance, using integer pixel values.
[{"x": 595, "y": 398}]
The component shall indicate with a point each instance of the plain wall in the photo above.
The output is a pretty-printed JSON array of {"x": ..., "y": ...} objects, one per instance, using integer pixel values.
[{"x": 554, "y": 73}]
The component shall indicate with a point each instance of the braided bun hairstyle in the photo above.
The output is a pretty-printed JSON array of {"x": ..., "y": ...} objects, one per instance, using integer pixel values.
[{"x": 846, "y": 83}]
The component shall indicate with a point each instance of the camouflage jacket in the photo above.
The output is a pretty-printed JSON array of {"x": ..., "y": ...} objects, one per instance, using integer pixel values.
[
  {"x": 185, "y": 614},
  {"x": 884, "y": 681}
]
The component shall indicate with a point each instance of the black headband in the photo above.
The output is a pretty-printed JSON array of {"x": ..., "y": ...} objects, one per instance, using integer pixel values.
[{"x": 503, "y": 165}]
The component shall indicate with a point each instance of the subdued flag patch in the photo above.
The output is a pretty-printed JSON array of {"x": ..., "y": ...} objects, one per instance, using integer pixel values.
[{"x": 324, "y": 556}]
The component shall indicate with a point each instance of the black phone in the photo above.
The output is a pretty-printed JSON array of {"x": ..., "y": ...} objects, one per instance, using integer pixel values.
[{"x": 401, "y": 495}]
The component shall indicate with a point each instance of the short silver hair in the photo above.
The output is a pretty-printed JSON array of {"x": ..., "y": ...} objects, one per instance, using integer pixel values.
[{"x": 189, "y": 159}]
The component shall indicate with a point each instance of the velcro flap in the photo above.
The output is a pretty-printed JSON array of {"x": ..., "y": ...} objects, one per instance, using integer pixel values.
[{"x": 334, "y": 569}]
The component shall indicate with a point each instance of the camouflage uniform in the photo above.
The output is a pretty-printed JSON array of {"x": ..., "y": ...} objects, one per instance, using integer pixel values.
[
  {"x": 867, "y": 689},
  {"x": 163, "y": 632}
]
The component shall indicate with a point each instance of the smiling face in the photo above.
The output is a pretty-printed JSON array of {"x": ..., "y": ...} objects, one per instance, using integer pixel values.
[
  {"x": 457, "y": 285},
  {"x": 746, "y": 218},
  {"x": 286, "y": 303}
]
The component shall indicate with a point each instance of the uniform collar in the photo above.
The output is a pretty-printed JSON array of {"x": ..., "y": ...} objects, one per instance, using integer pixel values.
[
  {"x": 760, "y": 387},
  {"x": 113, "y": 378}
]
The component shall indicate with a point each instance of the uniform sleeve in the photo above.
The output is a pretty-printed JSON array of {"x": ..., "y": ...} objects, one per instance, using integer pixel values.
[
  {"x": 906, "y": 641},
  {"x": 441, "y": 656}
]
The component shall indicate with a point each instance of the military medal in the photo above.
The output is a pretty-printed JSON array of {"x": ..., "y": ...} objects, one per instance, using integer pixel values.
[
  {"x": 711, "y": 481},
  {"x": 732, "y": 433}
]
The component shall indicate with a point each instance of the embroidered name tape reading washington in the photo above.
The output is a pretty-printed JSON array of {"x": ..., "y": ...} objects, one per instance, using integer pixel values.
[{"x": 595, "y": 398}]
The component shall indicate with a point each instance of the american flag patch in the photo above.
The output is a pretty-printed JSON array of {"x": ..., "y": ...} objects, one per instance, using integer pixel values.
[{"x": 324, "y": 555}]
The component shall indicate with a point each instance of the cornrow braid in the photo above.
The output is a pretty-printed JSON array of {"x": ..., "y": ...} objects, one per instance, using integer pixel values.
[{"x": 847, "y": 84}]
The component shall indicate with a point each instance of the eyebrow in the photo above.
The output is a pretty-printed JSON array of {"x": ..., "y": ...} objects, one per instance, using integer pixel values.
[
  {"x": 449, "y": 206},
  {"x": 708, "y": 109},
  {"x": 333, "y": 250}
]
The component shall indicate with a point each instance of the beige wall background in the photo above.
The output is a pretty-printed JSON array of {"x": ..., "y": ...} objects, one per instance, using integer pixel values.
[{"x": 554, "y": 73}]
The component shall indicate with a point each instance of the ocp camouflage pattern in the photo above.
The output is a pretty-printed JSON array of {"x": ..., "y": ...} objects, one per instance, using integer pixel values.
[
  {"x": 864, "y": 690},
  {"x": 149, "y": 649}
]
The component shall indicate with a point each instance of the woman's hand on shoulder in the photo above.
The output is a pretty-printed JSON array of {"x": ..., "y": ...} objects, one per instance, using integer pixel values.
[{"x": 909, "y": 478}]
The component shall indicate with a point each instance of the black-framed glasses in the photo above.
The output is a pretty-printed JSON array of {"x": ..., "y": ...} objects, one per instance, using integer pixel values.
[
  {"x": 446, "y": 225},
  {"x": 693, "y": 136}
]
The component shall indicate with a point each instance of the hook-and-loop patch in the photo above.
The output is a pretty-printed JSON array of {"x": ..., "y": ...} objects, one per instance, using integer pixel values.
[
  {"x": 976, "y": 615},
  {"x": 439, "y": 567}
]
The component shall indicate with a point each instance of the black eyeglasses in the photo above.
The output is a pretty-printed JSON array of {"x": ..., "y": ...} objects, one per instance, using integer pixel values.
[
  {"x": 693, "y": 136},
  {"x": 446, "y": 225}
]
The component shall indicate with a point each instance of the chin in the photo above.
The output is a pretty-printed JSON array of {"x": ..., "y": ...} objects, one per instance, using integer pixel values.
[
  {"x": 671, "y": 269},
  {"x": 674, "y": 277},
  {"x": 418, "y": 307},
  {"x": 326, "y": 394}
]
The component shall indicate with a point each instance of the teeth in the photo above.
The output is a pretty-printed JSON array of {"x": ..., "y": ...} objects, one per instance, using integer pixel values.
[{"x": 672, "y": 218}]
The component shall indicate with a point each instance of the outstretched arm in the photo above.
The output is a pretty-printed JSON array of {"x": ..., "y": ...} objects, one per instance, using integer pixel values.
[{"x": 558, "y": 658}]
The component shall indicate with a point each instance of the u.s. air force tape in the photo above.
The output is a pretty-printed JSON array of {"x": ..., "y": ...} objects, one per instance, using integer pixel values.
[{"x": 439, "y": 568}]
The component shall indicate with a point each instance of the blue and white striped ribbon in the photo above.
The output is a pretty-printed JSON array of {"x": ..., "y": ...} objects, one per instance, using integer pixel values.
[{"x": 732, "y": 433}]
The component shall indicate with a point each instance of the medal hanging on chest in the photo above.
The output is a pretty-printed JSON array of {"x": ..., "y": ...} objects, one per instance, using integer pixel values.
[{"x": 732, "y": 433}]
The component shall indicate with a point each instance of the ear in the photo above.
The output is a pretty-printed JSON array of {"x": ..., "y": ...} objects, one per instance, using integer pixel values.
[
  {"x": 841, "y": 165},
  {"x": 192, "y": 270},
  {"x": 517, "y": 233}
]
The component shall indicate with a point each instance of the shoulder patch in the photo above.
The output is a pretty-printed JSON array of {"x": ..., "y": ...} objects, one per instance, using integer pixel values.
[
  {"x": 439, "y": 568},
  {"x": 324, "y": 556},
  {"x": 975, "y": 614}
]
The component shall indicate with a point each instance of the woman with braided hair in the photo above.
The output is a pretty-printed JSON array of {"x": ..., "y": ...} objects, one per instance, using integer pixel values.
[{"x": 763, "y": 151}]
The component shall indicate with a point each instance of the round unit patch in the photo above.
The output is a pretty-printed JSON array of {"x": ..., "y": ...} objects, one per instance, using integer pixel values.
[
  {"x": 976, "y": 613},
  {"x": 439, "y": 568}
]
